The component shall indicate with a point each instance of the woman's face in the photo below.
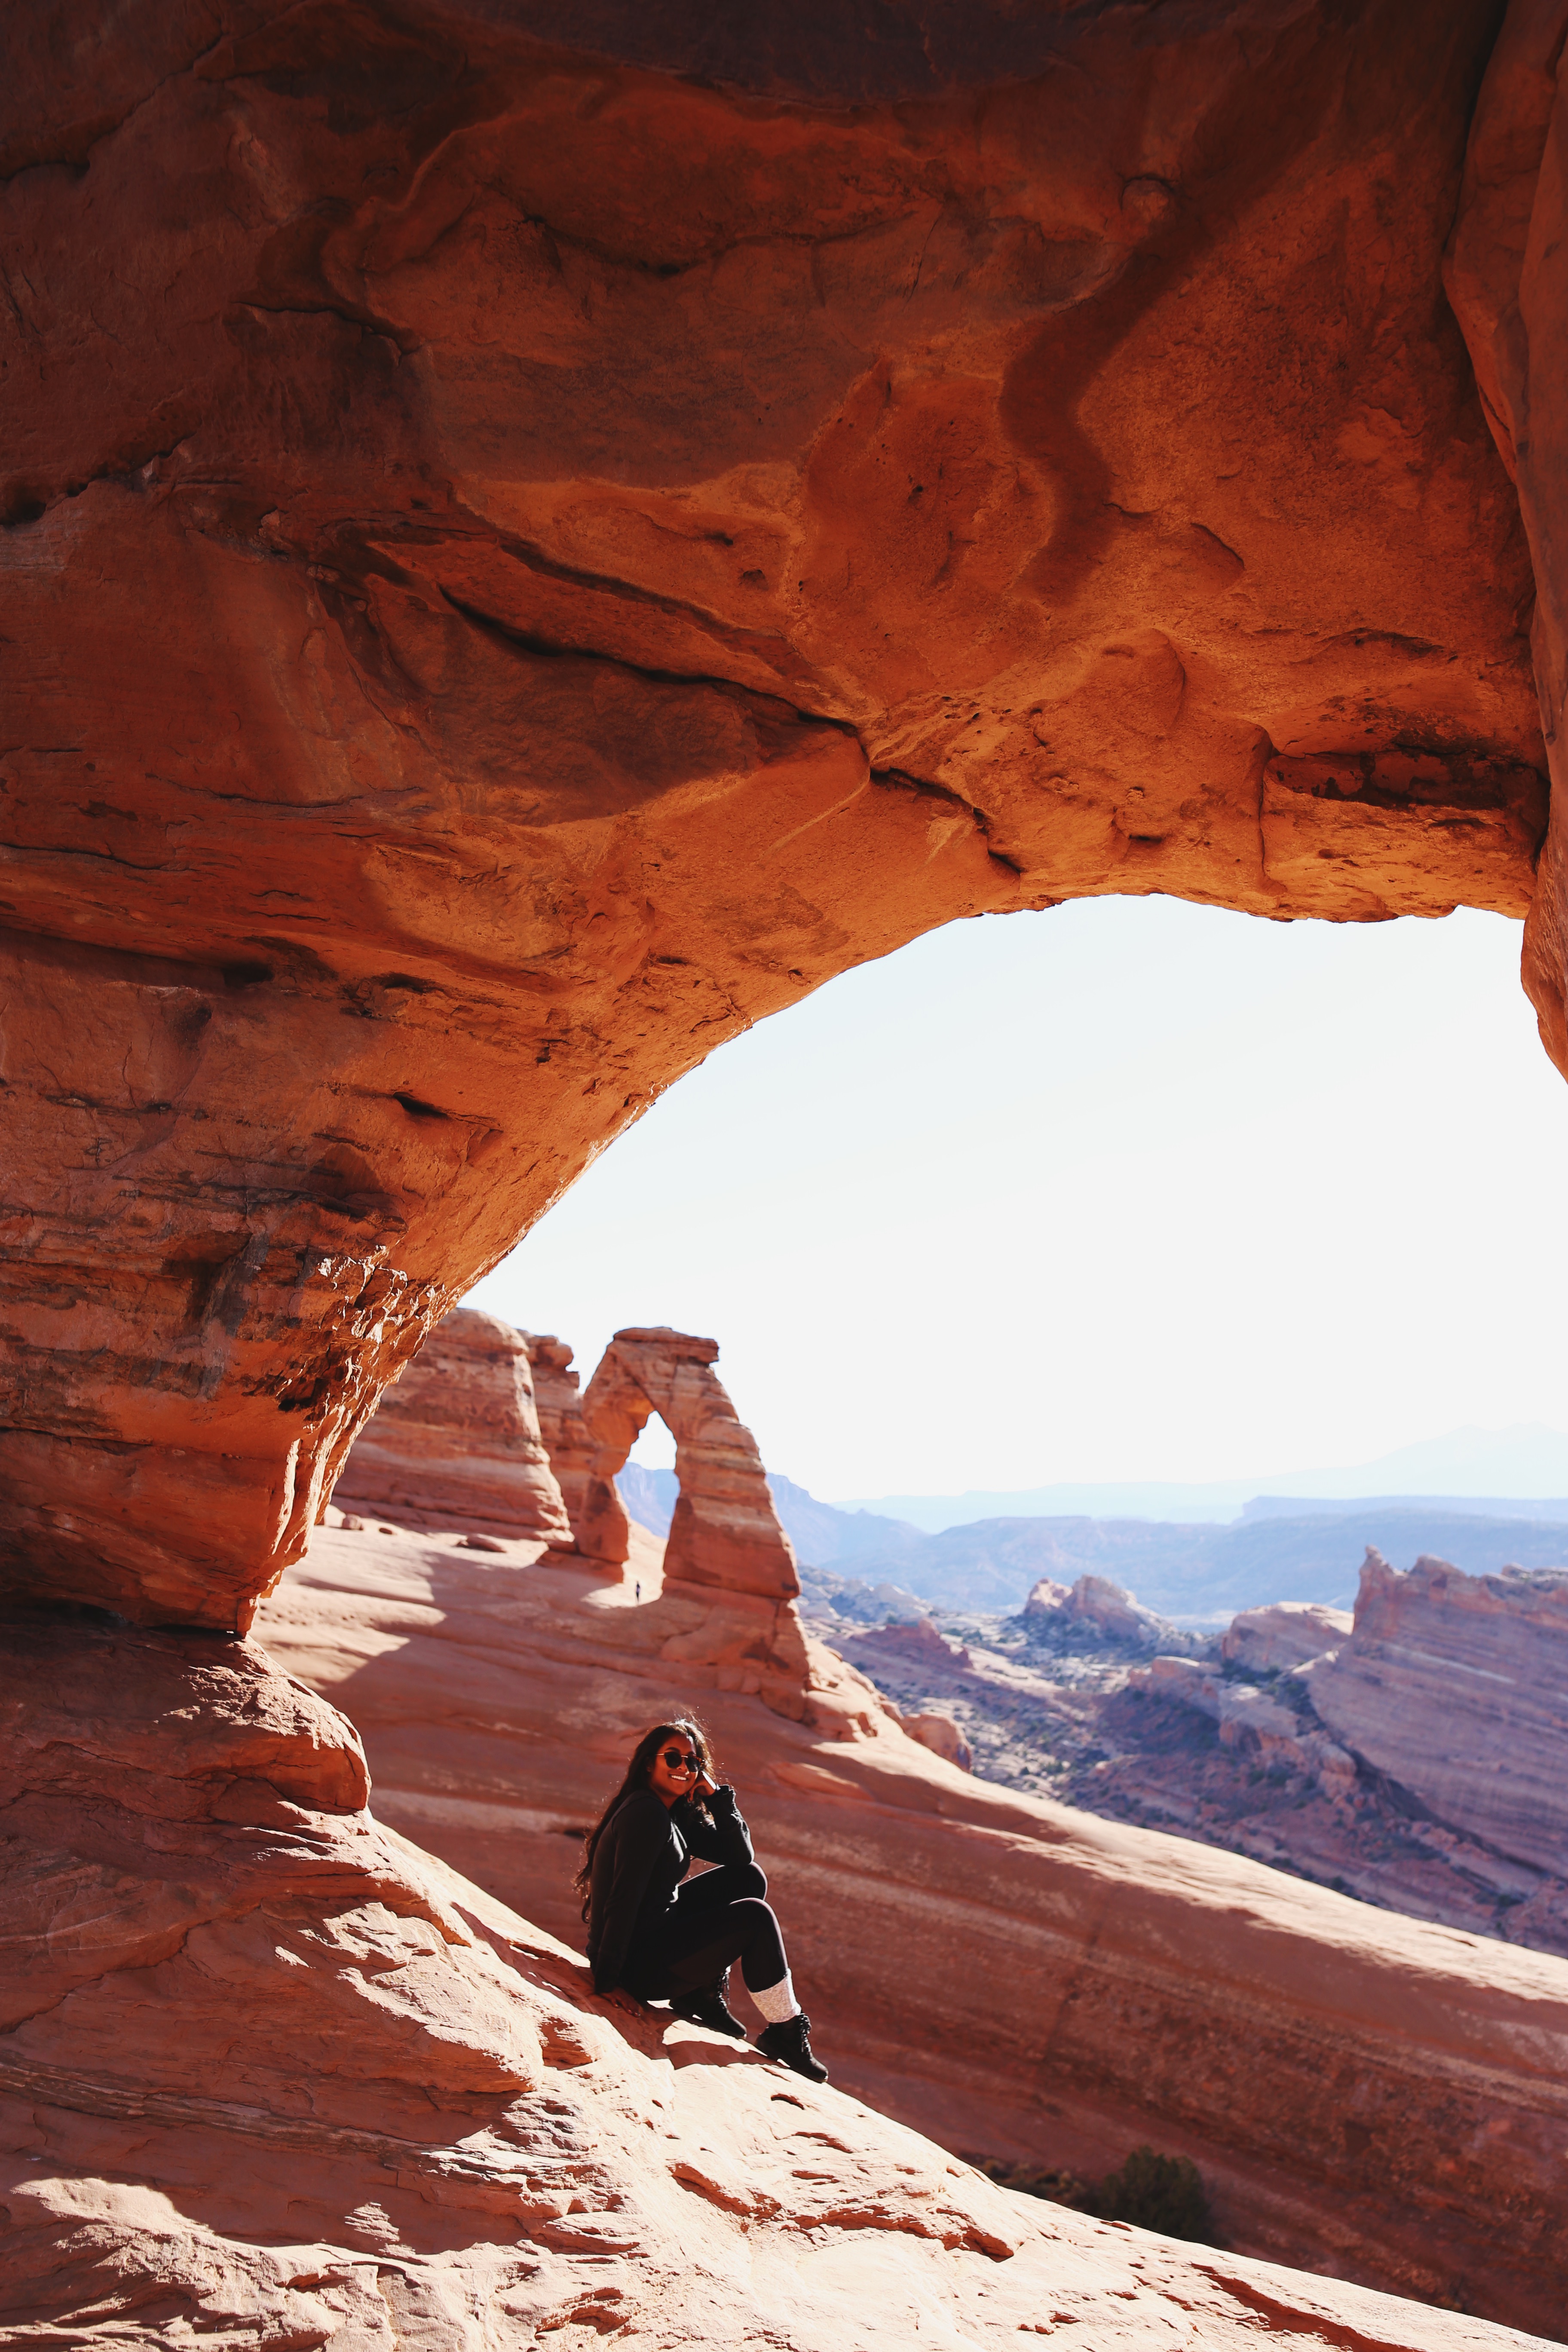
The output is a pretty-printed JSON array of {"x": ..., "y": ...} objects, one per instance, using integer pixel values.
[{"x": 670, "y": 1780}]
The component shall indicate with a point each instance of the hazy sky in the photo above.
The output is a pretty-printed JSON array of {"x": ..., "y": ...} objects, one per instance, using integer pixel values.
[{"x": 1130, "y": 1190}]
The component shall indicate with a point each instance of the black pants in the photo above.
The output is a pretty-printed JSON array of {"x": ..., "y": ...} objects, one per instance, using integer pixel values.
[{"x": 715, "y": 1920}]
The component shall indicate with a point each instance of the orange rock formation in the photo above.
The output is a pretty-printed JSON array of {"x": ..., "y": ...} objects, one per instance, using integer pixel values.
[
  {"x": 725, "y": 1531},
  {"x": 531, "y": 542},
  {"x": 1364, "y": 2093},
  {"x": 456, "y": 1441},
  {"x": 1453, "y": 1687},
  {"x": 561, "y": 1424},
  {"x": 523, "y": 561},
  {"x": 272, "y": 2076}
]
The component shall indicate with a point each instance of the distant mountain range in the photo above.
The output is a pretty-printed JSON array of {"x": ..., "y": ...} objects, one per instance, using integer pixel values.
[
  {"x": 1280, "y": 1548},
  {"x": 1529, "y": 1460}
]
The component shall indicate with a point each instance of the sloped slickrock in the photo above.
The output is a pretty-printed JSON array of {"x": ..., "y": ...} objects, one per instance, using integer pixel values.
[
  {"x": 455, "y": 1441},
  {"x": 1287, "y": 1634},
  {"x": 1364, "y": 2094},
  {"x": 1456, "y": 1687},
  {"x": 725, "y": 1531},
  {"x": 306, "y": 2086},
  {"x": 531, "y": 542}
]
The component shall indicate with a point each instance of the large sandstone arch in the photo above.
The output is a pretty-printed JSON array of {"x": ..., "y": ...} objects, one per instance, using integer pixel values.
[
  {"x": 725, "y": 1531},
  {"x": 520, "y": 561}
]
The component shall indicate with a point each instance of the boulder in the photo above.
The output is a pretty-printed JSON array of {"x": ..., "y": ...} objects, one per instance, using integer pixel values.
[
  {"x": 1113, "y": 1612},
  {"x": 1453, "y": 1687},
  {"x": 1287, "y": 1634},
  {"x": 920, "y": 1642},
  {"x": 1046, "y": 1598},
  {"x": 942, "y": 1737},
  {"x": 456, "y": 1444}
]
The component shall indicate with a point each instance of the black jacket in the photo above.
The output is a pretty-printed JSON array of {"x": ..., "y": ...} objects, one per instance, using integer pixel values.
[{"x": 641, "y": 1858}]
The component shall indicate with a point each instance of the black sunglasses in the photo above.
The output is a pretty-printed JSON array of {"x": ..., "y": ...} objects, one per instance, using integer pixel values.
[{"x": 679, "y": 1761}]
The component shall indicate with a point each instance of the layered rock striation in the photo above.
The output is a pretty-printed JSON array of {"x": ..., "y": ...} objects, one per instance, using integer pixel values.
[
  {"x": 561, "y": 1424},
  {"x": 725, "y": 1532},
  {"x": 1456, "y": 1687},
  {"x": 524, "y": 558},
  {"x": 455, "y": 1441},
  {"x": 1364, "y": 2094}
]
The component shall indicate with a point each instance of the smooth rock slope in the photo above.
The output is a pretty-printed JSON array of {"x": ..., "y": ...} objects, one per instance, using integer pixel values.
[
  {"x": 1364, "y": 2094},
  {"x": 271, "y": 2076}
]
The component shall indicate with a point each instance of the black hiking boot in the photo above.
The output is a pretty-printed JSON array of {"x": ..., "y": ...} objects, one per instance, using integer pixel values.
[
  {"x": 790, "y": 2043},
  {"x": 707, "y": 2006}
]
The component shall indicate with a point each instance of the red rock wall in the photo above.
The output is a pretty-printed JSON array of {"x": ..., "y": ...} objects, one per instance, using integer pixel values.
[
  {"x": 520, "y": 562},
  {"x": 455, "y": 1442},
  {"x": 1506, "y": 277}
]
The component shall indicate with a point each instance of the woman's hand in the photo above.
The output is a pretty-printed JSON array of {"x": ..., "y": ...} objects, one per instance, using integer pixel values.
[{"x": 703, "y": 1786}]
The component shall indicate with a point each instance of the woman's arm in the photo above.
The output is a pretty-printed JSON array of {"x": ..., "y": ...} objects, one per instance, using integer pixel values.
[
  {"x": 725, "y": 1837},
  {"x": 639, "y": 1838}
]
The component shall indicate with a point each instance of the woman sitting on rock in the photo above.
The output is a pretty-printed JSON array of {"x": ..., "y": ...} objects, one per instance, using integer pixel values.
[{"x": 665, "y": 1941}]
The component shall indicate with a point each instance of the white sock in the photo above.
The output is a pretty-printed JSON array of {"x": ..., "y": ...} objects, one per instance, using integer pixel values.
[{"x": 777, "y": 2003}]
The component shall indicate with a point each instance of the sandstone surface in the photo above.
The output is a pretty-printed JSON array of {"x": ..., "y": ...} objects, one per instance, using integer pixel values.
[
  {"x": 1095, "y": 1603},
  {"x": 1364, "y": 2094},
  {"x": 1507, "y": 276},
  {"x": 942, "y": 1737},
  {"x": 456, "y": 1441},
  {"x": 561, "y": 1424},
  {"x": 725, "y": 1532},
  {"x": 269, "y": 2075},
  {"x": 1287, "y": 1634},
  {"x": 1456, "y": 1687},
  {"x": 531, "y": 544}
]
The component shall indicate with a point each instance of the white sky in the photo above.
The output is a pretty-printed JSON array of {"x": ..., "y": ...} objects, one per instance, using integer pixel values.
[{"x": 1130, "y": 1190}]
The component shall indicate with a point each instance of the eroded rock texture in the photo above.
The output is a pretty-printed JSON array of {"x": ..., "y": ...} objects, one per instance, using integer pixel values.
[
  {"x": 523, "y": 558},
  {"x": 456, "y": 1441},
  {"x": 725, "y": 1531},
  {"x": 1454, "y": 1685},
  {"x": 561, "y": 1423},
  {"x": 271, "y": 2076},
  {"x": 1365, "y": 2094},
  {"x": 1508, "y": 276}
]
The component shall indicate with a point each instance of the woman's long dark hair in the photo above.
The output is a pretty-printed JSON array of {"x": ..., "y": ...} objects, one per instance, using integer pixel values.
[{"x": 684, "y": 1727}]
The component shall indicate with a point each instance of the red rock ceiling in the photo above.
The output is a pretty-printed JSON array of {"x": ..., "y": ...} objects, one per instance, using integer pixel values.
[{"x": 523, "y": 561}]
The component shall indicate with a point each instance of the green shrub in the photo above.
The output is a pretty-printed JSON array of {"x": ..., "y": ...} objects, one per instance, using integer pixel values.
[{"x": 1156, "y": 2192}]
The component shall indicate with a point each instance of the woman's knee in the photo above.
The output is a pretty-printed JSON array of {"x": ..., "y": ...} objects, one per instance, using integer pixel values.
[{"x": 750, "y": 1882}]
